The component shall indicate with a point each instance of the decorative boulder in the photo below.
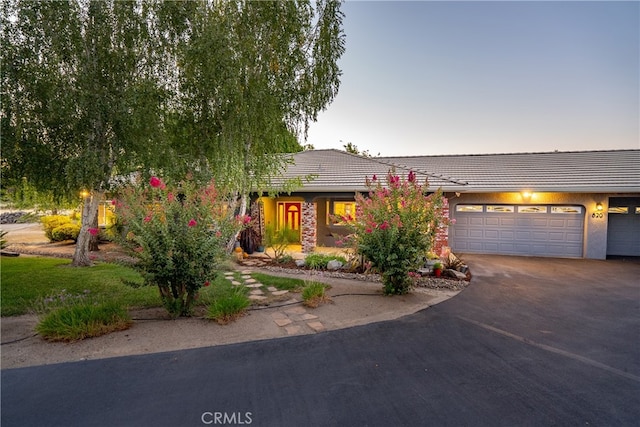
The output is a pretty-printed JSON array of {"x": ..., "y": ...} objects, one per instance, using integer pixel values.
[
  {"x": 300, "y": 263},
  {"x": 334, "y": 264}
]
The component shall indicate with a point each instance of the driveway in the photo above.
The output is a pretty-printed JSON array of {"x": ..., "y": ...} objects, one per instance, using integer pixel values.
[{"x": 531, "y": 342}]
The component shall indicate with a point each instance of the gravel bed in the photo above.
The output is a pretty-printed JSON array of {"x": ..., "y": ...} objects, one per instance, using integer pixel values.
[{"x": 423, "y": 282}]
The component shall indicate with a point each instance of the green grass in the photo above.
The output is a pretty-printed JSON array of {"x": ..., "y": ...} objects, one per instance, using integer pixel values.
[
  {"x": 25, "y": 280},
  {"x": 83, "y": 320},
  {"x": 282, "y": 283},
  {"x": 313, "y": 294}
]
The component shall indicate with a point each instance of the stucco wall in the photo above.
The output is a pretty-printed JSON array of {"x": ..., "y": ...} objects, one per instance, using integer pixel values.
[{"x": 595, "y": 228}]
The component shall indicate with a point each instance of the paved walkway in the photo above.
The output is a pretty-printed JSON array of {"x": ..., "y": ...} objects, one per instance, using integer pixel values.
[{"x": 293, "y": 320}]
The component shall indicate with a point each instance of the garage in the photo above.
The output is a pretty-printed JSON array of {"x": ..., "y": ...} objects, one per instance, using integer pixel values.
[
  {"x": 623, "y": 232},
  {"x": 533, "y": 230}
]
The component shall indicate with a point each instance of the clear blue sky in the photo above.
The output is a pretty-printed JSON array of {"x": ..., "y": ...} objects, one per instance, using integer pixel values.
[{"x": 486, "y": 77}]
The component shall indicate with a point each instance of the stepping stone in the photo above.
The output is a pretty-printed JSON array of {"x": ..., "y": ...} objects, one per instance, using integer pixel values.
[
  {"x": 282, "y": 322},
  {"x": 235, "y": 283},
  {"x": 256, "y": 292},
  {"x": 254, "y": 286},
  {"x": 278, "y": 293},
  {"x": 308, "y": 316},
  {"x": 296, "y": 310},
  {"x": 278, "y": 315},
  {"x": 316, "y": 326},
  {"x": 272, "y": 289},
  {"x": 246, "y": 272},
  {"x": 250, "y": 280},
  {"x": 256, "y": 297},
  {"x": 293, "y": 330},
  {"x": 246, "y": 277},
  {"x": 228, "y": 273}
]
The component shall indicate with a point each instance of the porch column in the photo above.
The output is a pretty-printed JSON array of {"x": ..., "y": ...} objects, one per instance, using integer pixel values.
[
  {"x": 442, "y": 234},
  {"x": 308, "y": 227}
]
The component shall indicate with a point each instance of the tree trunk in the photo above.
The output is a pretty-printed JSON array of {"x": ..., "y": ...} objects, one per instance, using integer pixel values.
[
  {"x": 89, "y": 217},
  {"x": 94, "y": 238}
]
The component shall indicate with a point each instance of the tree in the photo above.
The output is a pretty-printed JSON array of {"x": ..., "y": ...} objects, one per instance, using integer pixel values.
[
  {"x": 350, "y": 147},
  {"x": 81, "y": 97},
  {"x": 255, "y": 74}
]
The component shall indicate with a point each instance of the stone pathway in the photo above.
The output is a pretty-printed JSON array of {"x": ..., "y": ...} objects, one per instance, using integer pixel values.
[{"x": 292, "y": 318}]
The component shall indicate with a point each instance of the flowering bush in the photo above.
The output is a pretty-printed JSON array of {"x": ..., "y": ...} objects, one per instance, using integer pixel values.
[
  {"x": 178, "y": 236},
  {"x": 395, "y": 226}
]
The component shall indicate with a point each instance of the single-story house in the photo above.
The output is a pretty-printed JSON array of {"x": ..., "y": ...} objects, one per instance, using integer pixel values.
[{"x": 581, "y": 204}]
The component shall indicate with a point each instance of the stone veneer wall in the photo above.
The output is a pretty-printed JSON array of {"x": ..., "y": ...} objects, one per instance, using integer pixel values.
[
  {"x": 442, "y": 235},
  {"x": 308, "y": 227}
]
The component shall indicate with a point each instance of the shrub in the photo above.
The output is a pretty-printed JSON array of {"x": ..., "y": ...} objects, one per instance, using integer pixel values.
[
  {"x": 314, "y": 294},
  {"x": 395, "y": 226},
  {"x": 278, "y": 240},
  {"x": 229, "y": 306},
  {"x": 64, "y": 232},
  {"x": 51, "y": 222},
  {"x": 320, "y": 261},
  {"x": 178, "y": 235},
  {"x": 3, "y": 241},
  {"x": 83, "y": 321}
]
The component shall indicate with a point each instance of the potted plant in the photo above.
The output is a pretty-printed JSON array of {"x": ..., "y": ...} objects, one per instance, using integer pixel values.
[{"x": 437, "y": 268}]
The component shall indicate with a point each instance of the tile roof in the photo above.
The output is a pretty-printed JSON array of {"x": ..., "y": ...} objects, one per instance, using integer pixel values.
[{"x": 575, "y": 171}]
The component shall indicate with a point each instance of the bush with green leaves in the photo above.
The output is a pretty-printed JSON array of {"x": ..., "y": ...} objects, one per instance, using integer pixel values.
[
  {"x": 320, "y": 261},
  {"x": 314, "y": 294},
  {"x": 279, "y": 239},
  {"x": 178, "y": 236},
  {"x": 58, "y": 228},
  {"x": 395, "y": 226},
  {"x": 228, "y": 306},
  {"x": 64, "y": 232},
  {"x": 68, "y": 317}
]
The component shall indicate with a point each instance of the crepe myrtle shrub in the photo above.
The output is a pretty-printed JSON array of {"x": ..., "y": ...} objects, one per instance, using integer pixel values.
[
  {"x": 395, "y": 226},
  {"x": 177, "y": 234}
]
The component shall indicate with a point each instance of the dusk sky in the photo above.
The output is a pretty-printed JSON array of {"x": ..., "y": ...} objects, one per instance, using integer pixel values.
[{"x": 486, "y": 77}]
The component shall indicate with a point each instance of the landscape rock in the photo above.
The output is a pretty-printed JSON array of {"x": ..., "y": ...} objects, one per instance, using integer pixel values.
[
  {"x": 334, "y": 265},
  {"x": 300, "y": 262},
  {"x": 11, "y": 217}
]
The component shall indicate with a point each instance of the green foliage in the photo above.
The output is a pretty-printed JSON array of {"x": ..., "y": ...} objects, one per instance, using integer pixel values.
[
  {"x": 282, "y": 283},
  {"x": 228, "y": 306},
  {"x": 177, "y": 234},
  {"x": 67, "y": 317},
  {"x": 57, "y": 222},
  {"x": 314, "y": 294},
  {"x": 64, "y": 232},
  {"x": 395, "y": 226},
  {"x": 26, "y": 280},
  {"x": 320, "y": 261},
  {"x": 278, "y": 240}
]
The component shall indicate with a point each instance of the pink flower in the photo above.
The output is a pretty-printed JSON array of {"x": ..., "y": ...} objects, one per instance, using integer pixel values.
[
  {"x": 147, "y": 218},
  {"x": 156, "y": 182},
  {"x": 218, "y": 234},
  {"x": 206, "y": 283},
  {"x": 114, "y": 202},
  {"x": 170, "y": 197},
  {"x": 368, "y": 230},
  {"x": 412, "y": 177},
  {"x": 93, "y": 231},
  {"x": 384, "y": 225},
  {"x": 192, "y": 223},
  {"x": 374, "y": 177}
]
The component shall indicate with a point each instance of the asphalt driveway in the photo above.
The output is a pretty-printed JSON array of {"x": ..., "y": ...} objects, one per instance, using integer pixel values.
[{"x": 531, "y": 342}]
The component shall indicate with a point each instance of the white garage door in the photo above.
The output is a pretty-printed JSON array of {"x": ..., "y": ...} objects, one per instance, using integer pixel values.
[{"x": 541, "y": 230}]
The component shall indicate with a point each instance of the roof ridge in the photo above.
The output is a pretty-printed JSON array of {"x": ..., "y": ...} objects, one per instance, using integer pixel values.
[{"x": 513, "y": 154}]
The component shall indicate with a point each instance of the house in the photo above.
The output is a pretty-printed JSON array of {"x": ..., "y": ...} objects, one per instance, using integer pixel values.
[{"x": 581, "y": 204}]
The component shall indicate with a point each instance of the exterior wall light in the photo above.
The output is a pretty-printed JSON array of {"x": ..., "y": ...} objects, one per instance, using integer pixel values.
[
  {"x": 526, "y": 195},
  {"x": 84, "y": 194},
  {"x": 599, "y": 207}
]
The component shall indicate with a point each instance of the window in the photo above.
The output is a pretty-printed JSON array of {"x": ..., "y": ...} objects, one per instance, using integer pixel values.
[
  {"x": 637, "y": 210},
  {"x": 566, "y": 209},
  {"x": 342, "y": 209},
  {"x": 500, "y": 209},
  {"x": 618, "y": 210},
  {"x": 469, "y": 208},
  {"x": 532, "y": 209}
]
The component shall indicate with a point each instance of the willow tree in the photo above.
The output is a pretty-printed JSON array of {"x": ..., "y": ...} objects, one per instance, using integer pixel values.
[
  {"x": 251, "y": 77},
  {"x": 81, "y": 98}
]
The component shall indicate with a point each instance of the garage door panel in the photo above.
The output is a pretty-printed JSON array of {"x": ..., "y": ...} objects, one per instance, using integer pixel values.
[{"x": 536, "y": 234}]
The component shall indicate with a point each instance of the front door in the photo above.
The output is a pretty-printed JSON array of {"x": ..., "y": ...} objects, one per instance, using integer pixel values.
[{"x": 289, "y": 215}]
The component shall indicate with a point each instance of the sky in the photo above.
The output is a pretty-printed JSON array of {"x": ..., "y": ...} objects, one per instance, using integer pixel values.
[{"x": 453, "y": 77}]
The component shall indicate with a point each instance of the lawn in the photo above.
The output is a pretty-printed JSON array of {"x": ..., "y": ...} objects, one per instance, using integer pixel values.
[{"x": 24, "y": 280}]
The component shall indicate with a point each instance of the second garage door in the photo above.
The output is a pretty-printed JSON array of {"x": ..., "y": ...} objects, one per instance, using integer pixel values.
[{"x": 518, "y": 230}]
